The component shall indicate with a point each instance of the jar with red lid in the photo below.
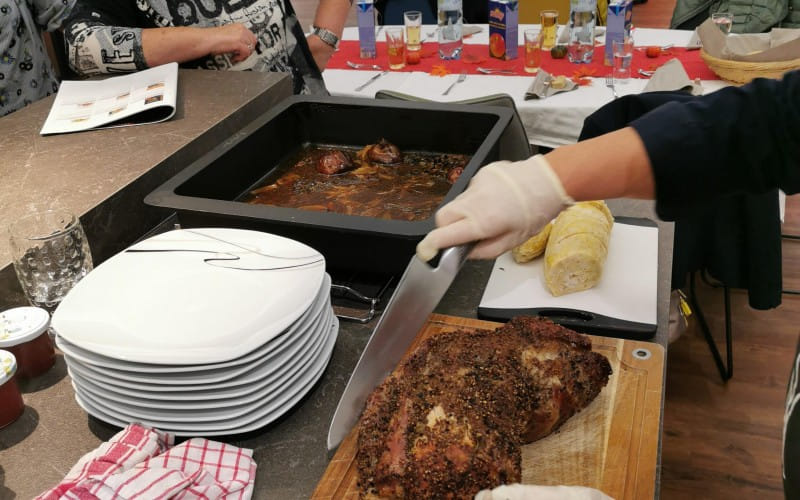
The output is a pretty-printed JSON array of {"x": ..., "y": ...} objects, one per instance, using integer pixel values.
[
  {"x": 11, "y": 404},
  {"x": 23, "y": 332}
]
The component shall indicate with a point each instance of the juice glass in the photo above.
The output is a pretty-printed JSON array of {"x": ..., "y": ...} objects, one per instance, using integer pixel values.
[
  {"x": 396, "y": 47},
  {"x": 413, "y": 23},
  {"x": 549, "y": 19},
  {"x": 533, "y": 50}
]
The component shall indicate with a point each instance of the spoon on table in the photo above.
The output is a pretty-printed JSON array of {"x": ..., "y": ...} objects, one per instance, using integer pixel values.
[
  {"x": 362, "y": 66},
  {"x": 646, "y": 73}
]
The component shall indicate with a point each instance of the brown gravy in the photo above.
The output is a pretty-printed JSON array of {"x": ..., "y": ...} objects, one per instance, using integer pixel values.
[{"x": 409, "y": 190}]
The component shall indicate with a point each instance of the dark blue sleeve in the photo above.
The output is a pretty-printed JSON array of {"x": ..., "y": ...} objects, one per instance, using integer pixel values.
[{"x": 738, "y": 139}]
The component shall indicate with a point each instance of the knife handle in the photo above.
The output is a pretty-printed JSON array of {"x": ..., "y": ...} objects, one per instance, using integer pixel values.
[{"x": 452, "y": 256}]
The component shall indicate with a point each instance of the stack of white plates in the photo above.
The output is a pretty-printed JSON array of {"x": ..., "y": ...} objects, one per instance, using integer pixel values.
[{"x": 199, "y": 332}]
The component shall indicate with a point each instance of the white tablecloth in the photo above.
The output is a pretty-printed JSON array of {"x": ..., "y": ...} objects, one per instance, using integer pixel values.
[{"x": 552, "y": 122}]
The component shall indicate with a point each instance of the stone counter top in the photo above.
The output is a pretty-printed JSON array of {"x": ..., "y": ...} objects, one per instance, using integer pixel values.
[{"x": 103, "y": 175}]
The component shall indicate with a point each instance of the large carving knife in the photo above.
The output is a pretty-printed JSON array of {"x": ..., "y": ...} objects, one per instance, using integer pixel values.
[{"x": 419, "y": 290}]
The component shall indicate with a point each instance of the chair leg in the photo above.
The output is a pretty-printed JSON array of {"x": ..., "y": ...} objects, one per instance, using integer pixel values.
[
  {"x": 792, "y": 237},
  {"x": 726, "y": 372}
]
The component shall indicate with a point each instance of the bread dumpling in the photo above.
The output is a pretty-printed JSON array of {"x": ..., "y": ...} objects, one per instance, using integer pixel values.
[
  {"x": 577, "y": 248},
  {"x": 533, "y": 247}
]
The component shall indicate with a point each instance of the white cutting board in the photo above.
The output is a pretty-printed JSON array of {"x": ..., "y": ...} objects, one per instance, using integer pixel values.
[{"x": 627, "y": 290}]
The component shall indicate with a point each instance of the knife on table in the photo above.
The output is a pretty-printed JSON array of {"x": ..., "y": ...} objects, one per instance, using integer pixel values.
[{"x": 419, "y": 291}]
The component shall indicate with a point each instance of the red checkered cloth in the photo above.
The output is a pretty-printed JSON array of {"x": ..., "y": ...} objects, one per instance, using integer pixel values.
[{"x": 140, "y": 463}]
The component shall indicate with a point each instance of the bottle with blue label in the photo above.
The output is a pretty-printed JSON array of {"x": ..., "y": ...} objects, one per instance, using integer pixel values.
[
  {"x": 450, "y": 23},
  {"x": 582, "y": 20},
  {"x": 366, "y": 28}
]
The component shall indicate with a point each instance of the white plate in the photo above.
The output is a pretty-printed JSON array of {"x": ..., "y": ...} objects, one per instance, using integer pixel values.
[
  {"x": 257, "y": 375},
  {"x": 303, "y": 323},
  {"x": 233, "y": 409},
  {"x": 258, "y": 423},
  {"x": 288, "y": 343},
  {"x": 191, "y": 296}
]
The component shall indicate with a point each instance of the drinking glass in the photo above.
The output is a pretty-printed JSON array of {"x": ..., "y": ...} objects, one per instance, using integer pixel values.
[
  {"x": 723, "y": 20},
  {"x": 50, "y": 254},
  {"x": 533, "y": 50},
  {"x": 413, "y": 22},
  {"x": 549, "y": 20},
  {"x": 623, "y": 55},
  {"x": 395, "y": 45}
]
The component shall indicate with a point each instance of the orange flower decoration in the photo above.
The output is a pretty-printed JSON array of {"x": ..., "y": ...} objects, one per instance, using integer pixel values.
[
  {"x": 583, "y": 71},
  {"x": 582, "y": 81},
  {"x": 472, "y": 58},
  {"x": 439, "y": 70}
]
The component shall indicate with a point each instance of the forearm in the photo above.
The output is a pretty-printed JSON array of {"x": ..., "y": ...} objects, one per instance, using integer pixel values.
[
  {"x": 174, "y": 44},
  {"x": 614, "y": 165},
  {"x": 331, "y": 15}
]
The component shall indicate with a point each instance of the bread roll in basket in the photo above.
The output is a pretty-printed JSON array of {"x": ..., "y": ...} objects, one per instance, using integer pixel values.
[{"x": 577, "y": 248}]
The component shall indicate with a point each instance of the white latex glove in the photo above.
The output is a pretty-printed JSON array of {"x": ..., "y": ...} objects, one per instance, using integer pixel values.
[
  {"x": 531, "y": 492},
  {"x": 504, "y": 204}
]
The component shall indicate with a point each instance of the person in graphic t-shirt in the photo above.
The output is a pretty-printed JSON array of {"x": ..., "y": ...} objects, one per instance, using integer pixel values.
[
  {"x": 26, "y": 72},
  {"x": 130, "y": 35}
]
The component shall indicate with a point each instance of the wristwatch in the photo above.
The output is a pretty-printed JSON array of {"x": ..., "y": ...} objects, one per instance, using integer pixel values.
[{"x": 326, "y": 36}]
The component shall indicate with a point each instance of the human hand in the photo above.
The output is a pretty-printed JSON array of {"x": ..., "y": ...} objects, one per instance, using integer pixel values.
[
  {"x": 320, "y": 51},
  {"x": 504, "y": 204},
  {"x": 525, "y": 491},
  {"x": 232, "y": 38}
]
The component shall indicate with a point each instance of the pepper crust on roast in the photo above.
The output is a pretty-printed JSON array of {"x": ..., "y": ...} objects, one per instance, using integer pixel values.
[{"x": 451, "y": 419}]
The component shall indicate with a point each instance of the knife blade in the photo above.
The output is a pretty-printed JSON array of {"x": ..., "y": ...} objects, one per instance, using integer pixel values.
[
  {"x": 418, "y": 292},
  {"x": 375, "y": 77}
]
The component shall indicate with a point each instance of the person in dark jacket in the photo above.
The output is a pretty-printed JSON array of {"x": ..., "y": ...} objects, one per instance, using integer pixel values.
[{"x": 681, "y": 154}]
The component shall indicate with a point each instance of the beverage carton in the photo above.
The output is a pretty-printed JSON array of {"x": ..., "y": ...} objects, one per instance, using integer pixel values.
[
  {"x": 503, "y": 22},
  {"x": 618, "y": 26}
]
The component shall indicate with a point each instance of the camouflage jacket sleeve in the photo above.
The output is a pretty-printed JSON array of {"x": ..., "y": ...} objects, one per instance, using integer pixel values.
[
  {"x": 50, "y": 14},
  {"x": 105, "y": 37}
]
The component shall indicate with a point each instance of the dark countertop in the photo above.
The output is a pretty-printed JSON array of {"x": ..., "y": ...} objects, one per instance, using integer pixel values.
[{"x": 37, "y": 450}]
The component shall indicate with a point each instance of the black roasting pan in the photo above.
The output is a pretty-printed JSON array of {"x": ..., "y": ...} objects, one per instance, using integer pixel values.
[{"x": 205, "y": 192}]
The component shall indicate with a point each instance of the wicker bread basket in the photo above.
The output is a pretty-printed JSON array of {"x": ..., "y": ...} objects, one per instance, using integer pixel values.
[{"x": 742, "y": 72}]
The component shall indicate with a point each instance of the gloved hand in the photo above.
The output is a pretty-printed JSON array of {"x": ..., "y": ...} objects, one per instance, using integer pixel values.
[
  {"x": 526, "y": 492},
  {"x": 504, "y": 204}
]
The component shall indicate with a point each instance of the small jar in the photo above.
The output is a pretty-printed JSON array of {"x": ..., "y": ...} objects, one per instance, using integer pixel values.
[
  {"x": 11, "y": 404},
  {"x": 23, "y": 332}
]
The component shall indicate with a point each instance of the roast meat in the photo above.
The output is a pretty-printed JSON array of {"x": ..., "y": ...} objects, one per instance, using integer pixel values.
[{"x": 451, "y": 419}]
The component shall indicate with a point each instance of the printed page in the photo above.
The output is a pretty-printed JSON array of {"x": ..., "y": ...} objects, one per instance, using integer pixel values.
[{"x": 147, "y": 96}]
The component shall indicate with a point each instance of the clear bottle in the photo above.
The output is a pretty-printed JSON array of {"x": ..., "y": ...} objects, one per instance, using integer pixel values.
[
  {"x": 582, "y": 20},
  {"x": 366, "y": 29},
  {"x": 450, "y": 23}
]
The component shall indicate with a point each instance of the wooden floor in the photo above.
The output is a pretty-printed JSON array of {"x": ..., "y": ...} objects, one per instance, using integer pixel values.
[{"x": 721, "y": 441}]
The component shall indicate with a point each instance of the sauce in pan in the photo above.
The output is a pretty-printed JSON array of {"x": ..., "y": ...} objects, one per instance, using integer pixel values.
[{"x": 408, "y": 190}]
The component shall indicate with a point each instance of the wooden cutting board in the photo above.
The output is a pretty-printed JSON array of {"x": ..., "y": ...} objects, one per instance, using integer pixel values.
[{"x": 611, "y": 445}]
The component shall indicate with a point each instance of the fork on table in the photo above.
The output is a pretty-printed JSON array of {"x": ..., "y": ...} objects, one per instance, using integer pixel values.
[
  {"x": 461, "y": 78},
  {"x": 610, "y": 84}
]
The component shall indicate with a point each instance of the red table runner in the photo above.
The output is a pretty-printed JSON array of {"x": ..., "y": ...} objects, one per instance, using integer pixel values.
[{"x": 474, "y": 56}]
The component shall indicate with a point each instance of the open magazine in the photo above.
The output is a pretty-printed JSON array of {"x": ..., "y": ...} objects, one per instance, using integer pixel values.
[{"x": 146, "y": 96}]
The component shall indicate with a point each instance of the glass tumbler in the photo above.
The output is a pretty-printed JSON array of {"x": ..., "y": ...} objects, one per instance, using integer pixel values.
[
  {"x": 549, "y": 20},
  {"x": 623, "y": 55},
  {"x": 533, "y": 50},
  {"x": 50, "y": 254},
  {"x": 723, "y": 20},
  {"x": 413, "y": 23},
  {"x": 396, "y": 47}
]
